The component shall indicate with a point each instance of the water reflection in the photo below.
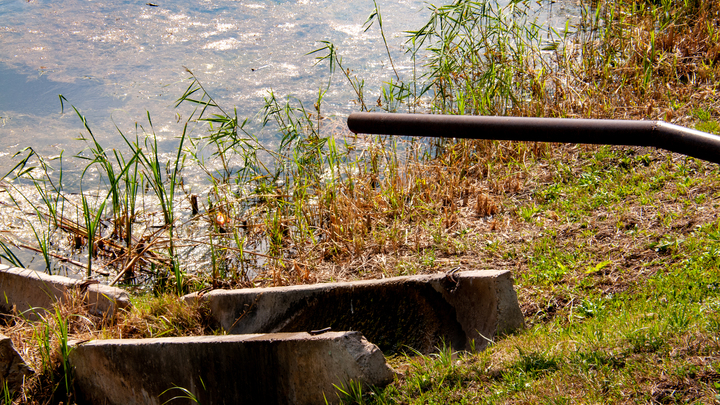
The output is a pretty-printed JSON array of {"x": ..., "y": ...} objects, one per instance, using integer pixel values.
[{"x": 116, "y": 59}]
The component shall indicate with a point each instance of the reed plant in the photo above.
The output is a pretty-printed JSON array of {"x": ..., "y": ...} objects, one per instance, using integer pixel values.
[
  {"x": 46, "y": 211},
  {"x": 338, "y": 198},
  {"x": 9, "y": 256},
  {"x": 614, "y": 250}
]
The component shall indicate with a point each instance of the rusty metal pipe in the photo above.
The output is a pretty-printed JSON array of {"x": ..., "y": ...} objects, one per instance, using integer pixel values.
[{"x": 657, "y": 134}]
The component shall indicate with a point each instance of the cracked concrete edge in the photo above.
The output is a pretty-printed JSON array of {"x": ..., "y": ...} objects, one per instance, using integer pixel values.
[
  {"x": 28, "y": 291},
  {"x": 510, "y": 316},
  {"x": 486, "y": 305}
]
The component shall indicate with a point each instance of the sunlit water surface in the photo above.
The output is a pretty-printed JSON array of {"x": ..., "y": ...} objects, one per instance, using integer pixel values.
[{"x": 117, "y": 60}]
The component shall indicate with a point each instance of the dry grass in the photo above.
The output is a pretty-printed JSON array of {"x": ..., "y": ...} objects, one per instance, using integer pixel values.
[
  {"x": 39, "y": 341},
  {"x": 602, "y": 241}
]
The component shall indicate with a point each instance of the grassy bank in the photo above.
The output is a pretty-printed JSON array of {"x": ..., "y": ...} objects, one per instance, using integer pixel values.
[
  {"x": 616, "y": 267},
  {"x": 614, "y": 250}
]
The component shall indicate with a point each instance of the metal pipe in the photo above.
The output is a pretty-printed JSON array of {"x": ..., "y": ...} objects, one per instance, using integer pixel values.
[{"x": 657, "y": 134}]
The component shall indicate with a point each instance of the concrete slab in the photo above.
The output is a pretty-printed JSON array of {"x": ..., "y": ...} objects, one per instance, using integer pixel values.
[
  {"x": 13, "y": 369},
  {"x": 285, "y": 368},
  {"x": 25, "y": 289},
  {"x": 396, "y": 313}
]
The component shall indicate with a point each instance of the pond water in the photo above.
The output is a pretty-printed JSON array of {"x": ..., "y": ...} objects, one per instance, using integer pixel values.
[
  {"x": 118, "y": 60},
  {"x": 115, "y": 60}
]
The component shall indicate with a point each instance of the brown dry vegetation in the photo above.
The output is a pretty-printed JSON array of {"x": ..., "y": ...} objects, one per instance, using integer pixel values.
[{"x": 604, "y": 243}]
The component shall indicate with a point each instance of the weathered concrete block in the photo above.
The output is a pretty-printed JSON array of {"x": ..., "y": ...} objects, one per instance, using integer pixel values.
[
  {"x": 285, "y": 368},
  {"x": 415, "y": 311},
  {"x": 26, "y": 289},
  {"x": 13, "y": 369}
]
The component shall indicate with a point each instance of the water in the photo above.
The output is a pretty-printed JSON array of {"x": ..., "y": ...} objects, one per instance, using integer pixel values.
[{"x": 117, "y": 60}]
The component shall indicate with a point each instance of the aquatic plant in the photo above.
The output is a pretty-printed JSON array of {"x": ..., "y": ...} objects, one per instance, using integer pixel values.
[
  {"x": 272, "y": 214},
  {"x": 614, "y": 250}
]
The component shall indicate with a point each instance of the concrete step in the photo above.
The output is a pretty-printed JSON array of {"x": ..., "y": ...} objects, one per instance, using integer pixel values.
[
  {"x": 464, "y": 309},
  {"x": 30, "y": 291},
  {"x": 283, "y": 368}
]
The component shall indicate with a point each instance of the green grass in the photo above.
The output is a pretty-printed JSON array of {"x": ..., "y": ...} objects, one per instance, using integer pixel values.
[
  {"x": 615, "y": 251},
  {"x": 602, "y": 328}
]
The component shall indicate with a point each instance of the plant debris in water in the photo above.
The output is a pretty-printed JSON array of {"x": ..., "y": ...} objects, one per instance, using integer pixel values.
[{"x": 614, "y": 250}]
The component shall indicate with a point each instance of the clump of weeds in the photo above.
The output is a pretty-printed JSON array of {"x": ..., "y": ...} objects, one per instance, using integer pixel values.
[{"x": 614, "y": 250}]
